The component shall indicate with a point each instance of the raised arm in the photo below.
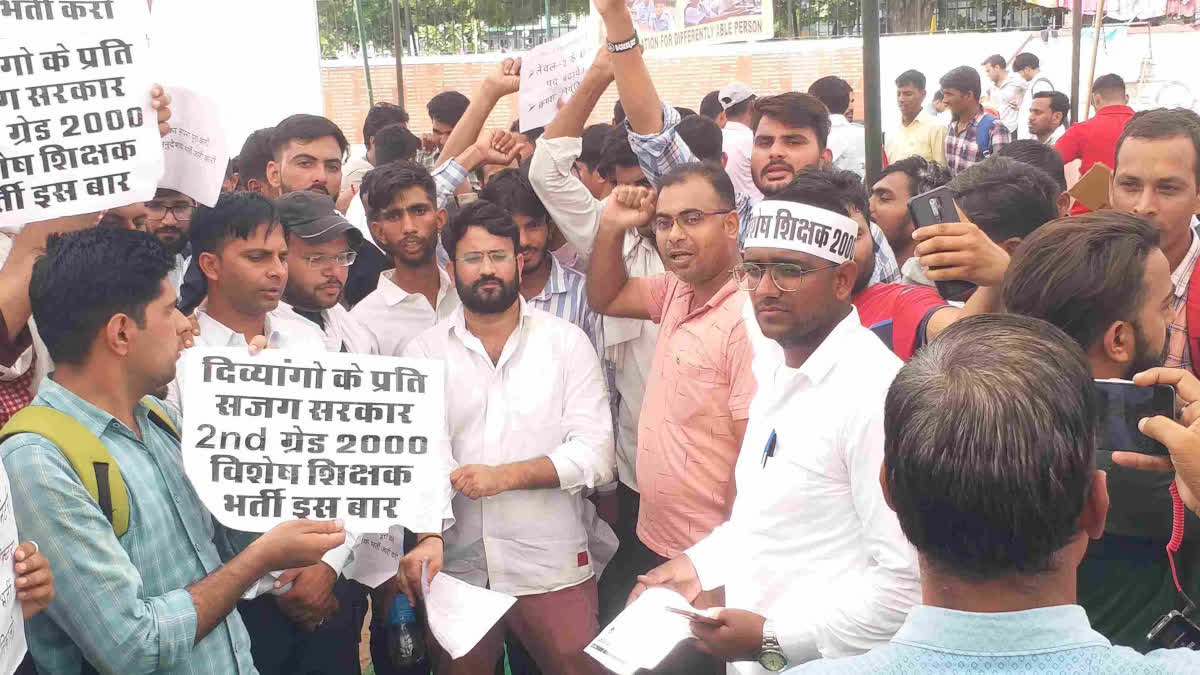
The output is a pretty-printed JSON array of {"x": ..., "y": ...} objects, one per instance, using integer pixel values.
[
  {"x": 610, "y": 291},
  {"x": 638, "y": 95},
  {"x": 504, "y": 79}
]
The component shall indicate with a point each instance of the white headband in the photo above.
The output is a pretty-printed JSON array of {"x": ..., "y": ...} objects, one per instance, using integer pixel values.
[{"x": 800, "y": 227}]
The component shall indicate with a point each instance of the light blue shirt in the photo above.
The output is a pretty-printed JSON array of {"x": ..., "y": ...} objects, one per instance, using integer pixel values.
[{"x": 1045, "y": 640}]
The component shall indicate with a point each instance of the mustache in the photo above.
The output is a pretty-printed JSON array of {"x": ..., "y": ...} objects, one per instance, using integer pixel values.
[
  {"x": 777, "y": 165},
  {"x": 319, "y": 188},
  {"x": 486, "y": 279}
]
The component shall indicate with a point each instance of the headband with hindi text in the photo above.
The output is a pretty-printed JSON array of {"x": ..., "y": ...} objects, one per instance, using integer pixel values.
[{"x": 801, "y": 227}]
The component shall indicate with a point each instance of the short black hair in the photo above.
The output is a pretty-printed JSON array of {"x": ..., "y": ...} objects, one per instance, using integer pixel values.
[
  {"x": 989, "y": 446},
  {"x": 479, "y": 213},
  {"x": 834, "y": 92},
  {"x": 303, "y": 127},
  {"x": 684, "y": 112},
  {"x": 394, "y": 143},
  {"x": 616, "y": 152},
  {"x": 913, "y": 78},
  {"x": 1059, "y": 103},
  {"x": 702, "y": 136},
  {"x": 88, "y": 276},
  {"x": 231, "y": 167},
  {"x": 382, "y": 115},
  {"x": 713, "y": 174},
  {"x": 511, "y": 190},
  {"x": 937, "y": 95},
  {"x": 1109, "y": 86},
  {"x": 995, "y": 60},
  {"x": 1025, "y": 60},
  {"x": 964, "y": 79},
  {"x": 235, "y": 215},
  {"x": 1006, "y": 198},
  {"x": 816, "y": 187},
  {"x": 593, "y": 145},
  {"x": 618, "y": 112},
  {"x": 710, "y": 107},
  {"x": 797, "y": 111},
  {"x": 740, "y": 108},
  {"x": 380, "y": 185},
  {"x": 1163, "y": 123},
  {"x": 923, "y": 175},
  {"x": 447, "y": 107},
  {"x": 1038, "y": 154},
  {"x": 1083, "y": 273},
  {"x": 255, "y": 154}
]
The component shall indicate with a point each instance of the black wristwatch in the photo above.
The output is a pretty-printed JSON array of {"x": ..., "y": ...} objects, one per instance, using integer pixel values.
[
  {"x": 627, "y": 45},
  {"x": 771, "y": 656}
]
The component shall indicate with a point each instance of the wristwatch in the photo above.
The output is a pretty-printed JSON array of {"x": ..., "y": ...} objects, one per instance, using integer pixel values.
[
  {"x": 631, "y": 43},
  {"x": 771, "y": 657}
]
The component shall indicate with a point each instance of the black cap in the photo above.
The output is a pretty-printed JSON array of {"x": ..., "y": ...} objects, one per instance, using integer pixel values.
[{"x": 313, "y": 217}]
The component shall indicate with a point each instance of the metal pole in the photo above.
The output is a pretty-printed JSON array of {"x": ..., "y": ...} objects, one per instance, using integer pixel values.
[
  {"x": 398, "y": 37},
  {"x": 1076, "y": 38},
  {"x": 409, "y": 34},
  {"x": 547, "y": 3},
  {"x": 791, "y": 22},
  {"x": 1096, "y": 28},
  {"x": 362, "y": 43},
  {"x": 872, "y": 96}
]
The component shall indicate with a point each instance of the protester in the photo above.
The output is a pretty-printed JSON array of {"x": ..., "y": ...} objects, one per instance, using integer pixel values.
[
  {"x": 380, "y": 115},
  {"x": 1049, "y": 116},
  {"x": 847, "y": 143},
  {"x": 918, "y": 134},
  {"x": 252, "y": 163},
  {"x": 306, "y": 154},
  {"x": 712, "y": 108},
  {"x": 526, "y": 443},
  {"x": 168, "y": 217},
  {"x": 812, "y": 563},
  {"x": 1029, "y": 67},
  {"x": 1006, "y": 93},
  {"x": 1000, "y": 521},
  {"x": 445, "y": 110},
  {"x": 395, "y": 143},
  {"x": 944, "y": 116},
  {"x": 157, "y": 599},
  {"x": 899, "y": 182},
  {"x": 737, "y": 104},
  {"x": 1156, "y": 175},
  {"x": 973, "y": 135},
  {"x": 1095, "y": 140},
  {"x": 1046, "y": 158}
]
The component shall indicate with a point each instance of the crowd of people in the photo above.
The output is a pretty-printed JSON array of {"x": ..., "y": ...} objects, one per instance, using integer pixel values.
[{"x": 683, "y": 350}]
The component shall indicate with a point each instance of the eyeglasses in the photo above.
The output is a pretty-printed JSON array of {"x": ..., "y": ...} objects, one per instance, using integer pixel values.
[
  {"x": 688, "y": 218},
  {"x": 476, "y": 257},
  {"x": 317, "y": 262},
  {"x": 786, "y": 276},
  {"x": 158, "y": 211}
]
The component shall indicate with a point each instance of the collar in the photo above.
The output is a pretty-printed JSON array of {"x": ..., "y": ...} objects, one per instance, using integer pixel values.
[
  {"x": 838, "y": 120},
  {"x": 394, "y": 295},
  {"x": 216, "y": 333},
  {"x": 556, "y": 283},
  {"x": 458, "y": 325},
  {"x": 1115, "y": 110},
  {"x": 1030, "y": 631},
  {"x": 922, "y": 116},
  {"x": 719, "y": 297},
  {"x": 737, "y": 126},
  {"x": 94, "y": 419},
  {"x": 186, "y": 253},
  {"x": 1181, "y": 276},
  {"x": 830, "y": 351}
]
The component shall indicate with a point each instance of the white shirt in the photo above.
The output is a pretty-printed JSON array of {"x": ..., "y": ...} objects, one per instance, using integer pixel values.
[
  {"x": 737, "y": 142},
  {"x": 628, "y": 343},
  {"x": 810, "y": 543},
  {"x": 1006, "y": 98},
  {"x": 394, "y": 316},
  {"x": 848, "y": 143},
  {"x": 342, "y": 332},
  {"x": 1052, "y": 139},
  {"x": 354, "y": 170},
  {"x": 544, "y": 397},
  {"x": 175, "y": 274}
]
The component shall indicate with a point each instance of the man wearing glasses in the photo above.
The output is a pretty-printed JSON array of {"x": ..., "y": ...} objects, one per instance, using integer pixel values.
[
  {"x": 169, "y": 217},
  {"x": 812, "y": 560},
  {"x": 700, "y": 384}
]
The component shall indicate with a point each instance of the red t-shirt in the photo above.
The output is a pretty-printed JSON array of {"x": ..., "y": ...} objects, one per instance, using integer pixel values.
[
  {"x": 898, "y": 314},
  {"x": 1094, "y": 141}
]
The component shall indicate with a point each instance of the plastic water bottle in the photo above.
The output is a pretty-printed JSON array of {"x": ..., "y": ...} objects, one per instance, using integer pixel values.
[{"x": 406, "y": 637}]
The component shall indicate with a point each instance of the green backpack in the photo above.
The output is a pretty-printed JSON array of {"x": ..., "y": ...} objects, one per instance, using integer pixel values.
[{"x": 91, "y": 460}]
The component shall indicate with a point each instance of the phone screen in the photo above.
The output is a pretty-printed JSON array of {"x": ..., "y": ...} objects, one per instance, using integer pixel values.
[{"x": 1123, "y": 404}]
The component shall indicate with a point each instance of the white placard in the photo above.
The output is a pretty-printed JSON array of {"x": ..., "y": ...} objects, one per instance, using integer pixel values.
[
  {"x": 285, "y": 435},
  {"x": 12, "y": 627},
  {"x": 77, "y": 133},
  {"x": 551, "y": 72},
  {"x": 459, "y": 613},
  {"x": 194, "y": 152},
  {"x": 662, "y": 25},
  {"x": 643, "y": 633}
]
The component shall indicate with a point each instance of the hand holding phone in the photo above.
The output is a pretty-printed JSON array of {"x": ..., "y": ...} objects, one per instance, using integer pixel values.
[
  {"x": 931, "y": 208},
  {"x": 1123, "y": 406}
]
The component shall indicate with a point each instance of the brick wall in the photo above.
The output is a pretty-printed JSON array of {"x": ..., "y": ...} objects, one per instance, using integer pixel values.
[{"x": 682, "y": 80}]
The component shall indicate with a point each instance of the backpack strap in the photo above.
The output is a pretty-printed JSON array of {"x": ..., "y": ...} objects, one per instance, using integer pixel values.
[
  {"x": 1193, "y": 317},
  {"x": 983, "y": 134},
  {"x": 96, "y": 468},
  {"x": 158, "y": 415}
]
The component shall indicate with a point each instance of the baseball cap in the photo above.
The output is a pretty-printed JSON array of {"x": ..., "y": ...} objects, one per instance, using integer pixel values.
[
  {"x": 313, "y": 217},
  {"x": 733, "y": 94}
]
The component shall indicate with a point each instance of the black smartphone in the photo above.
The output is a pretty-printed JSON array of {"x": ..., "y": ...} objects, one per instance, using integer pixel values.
[
  {"x": 1123, "y": 404},
  {"x": 931, "y": 208},
  {"x": 1174, "y": 631}
]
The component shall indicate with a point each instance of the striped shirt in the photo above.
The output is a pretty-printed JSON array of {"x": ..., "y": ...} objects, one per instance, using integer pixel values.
[
  {"x": 1178, "y": 354},
  {"x": 565, "y": 296},
  {"x": 121, "y": 602}
]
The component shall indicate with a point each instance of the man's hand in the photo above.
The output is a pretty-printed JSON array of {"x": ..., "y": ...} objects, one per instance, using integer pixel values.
[
  {"x": 505, "y": 79},
  {"x": 738, "y": 638},
  {"x": 607, "y": 8},
  {"x": 310, "y": 601},
  {"x": 426, "y": 556},
  {"x": 160, "y": 101},
  {"x": 677, "y": 574},
  {"x": 960, "y": 251},
  {"x": 628, "y": 207},
  {"x": 298, "y": 543},
  {"x": 479, "y": 480},
  {"x": 1182, "y": 440},
  {"x": 603, "y": 64},
  {"x": 497, "y": 147},
  {"x": 35, "y": 582},
  {"x": 346, "y": 197}
]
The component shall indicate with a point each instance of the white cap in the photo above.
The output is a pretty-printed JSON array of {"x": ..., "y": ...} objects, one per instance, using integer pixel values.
[
  {"x": 800, "y": 227},
  {"x": 733, "y": 94}
]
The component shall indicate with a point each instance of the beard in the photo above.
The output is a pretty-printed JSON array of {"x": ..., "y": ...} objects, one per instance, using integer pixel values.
[
  {"x": 172, "y": 238},
  {"x": 482, "y": 303},
  {"x": 426, "y": 247},
  {"x": 308, "y": 301},
  {"x": 1144, "y": 356},
  {"x": 534, "y": 258}
]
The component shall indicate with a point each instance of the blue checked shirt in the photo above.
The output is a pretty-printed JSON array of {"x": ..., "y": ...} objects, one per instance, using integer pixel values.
[
  {"x": 565, "y": 296},
  {"x": 121, "y": 603},
  {"x": 659, "y": 153}
]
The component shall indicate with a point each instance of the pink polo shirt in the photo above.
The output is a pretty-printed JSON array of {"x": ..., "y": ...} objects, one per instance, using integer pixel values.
[{"x": 700, "y": 383}]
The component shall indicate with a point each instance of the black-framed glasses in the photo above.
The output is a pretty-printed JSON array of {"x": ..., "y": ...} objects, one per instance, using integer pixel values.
[
  {"x": 497, "y": 257},
  {"x": 787, "y": 277},
  {"x": 182, "y": 212},
  {"x": 687, "y": 218},
  {"x": 318, "y": 262}
]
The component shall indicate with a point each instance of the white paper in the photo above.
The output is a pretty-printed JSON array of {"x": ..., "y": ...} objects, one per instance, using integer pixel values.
[
  {"x": 194, "y": 152},
  {"x": 285, "y": 435},
  {"x": 460, "y": 614},
  {"x": 77, "y": 133},
  {"x": 376, "y": 557},
  {"x": 551, "y": 72},
  {"x": 678, "y": 24},
  {"x": 643, "y": 634},
  {"x": 12, "y": 628}
]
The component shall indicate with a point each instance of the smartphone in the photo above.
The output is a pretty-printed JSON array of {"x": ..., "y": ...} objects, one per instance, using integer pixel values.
[
  {"x": 931, "y": 208},
  {"x": 695, "y": 616},
  {"x": 1173, "y": 631},
  {"x": 1123, "y": 404}
]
